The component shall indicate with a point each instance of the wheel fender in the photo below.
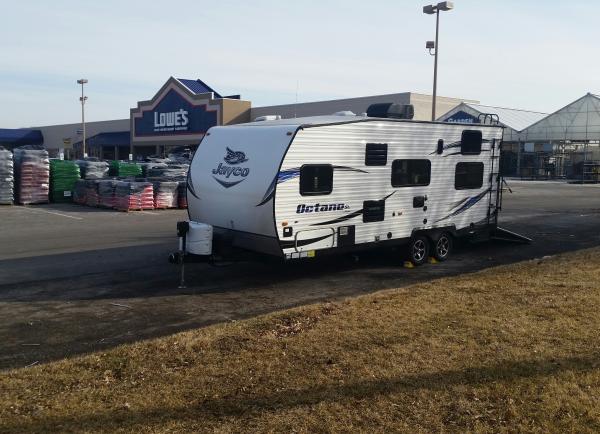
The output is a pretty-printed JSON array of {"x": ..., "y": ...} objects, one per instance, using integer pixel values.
[{"x": 434, "y": 233}]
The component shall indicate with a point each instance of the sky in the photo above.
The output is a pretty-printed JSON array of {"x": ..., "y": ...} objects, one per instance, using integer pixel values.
[{"x": 521, "y": 54}]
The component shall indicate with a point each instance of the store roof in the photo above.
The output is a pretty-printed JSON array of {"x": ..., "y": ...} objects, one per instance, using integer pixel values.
[
  {"x": 198, "y": 86},
  {"x": 516, "y": 119},
  {"x": 21, "y": 136}
]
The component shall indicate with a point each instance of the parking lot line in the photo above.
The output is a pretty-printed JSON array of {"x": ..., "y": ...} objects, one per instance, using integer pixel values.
[{"x": 52, "y": 212}]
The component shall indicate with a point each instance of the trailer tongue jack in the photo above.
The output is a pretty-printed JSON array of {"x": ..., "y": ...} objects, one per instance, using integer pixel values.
[{"x": 182, "y": 230}]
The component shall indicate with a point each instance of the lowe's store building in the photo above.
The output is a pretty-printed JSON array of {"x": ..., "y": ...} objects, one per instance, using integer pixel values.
[{"x": 180, "y": 114}]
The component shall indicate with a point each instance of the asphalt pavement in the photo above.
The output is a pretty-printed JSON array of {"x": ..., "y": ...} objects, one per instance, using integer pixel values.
[{"x": 76, "y": 279}]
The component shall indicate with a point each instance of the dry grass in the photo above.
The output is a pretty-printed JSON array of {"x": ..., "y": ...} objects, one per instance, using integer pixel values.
[{"x": 515, "y": 348}]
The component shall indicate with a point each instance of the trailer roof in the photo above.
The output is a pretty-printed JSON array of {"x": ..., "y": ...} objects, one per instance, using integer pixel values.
[{"x": 313, "y": 121}]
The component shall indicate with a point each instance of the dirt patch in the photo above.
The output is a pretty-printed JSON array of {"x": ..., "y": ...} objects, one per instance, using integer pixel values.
[{"x": 293, "y": 323}]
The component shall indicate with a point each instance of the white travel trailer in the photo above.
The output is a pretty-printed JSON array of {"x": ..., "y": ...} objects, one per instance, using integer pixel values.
[{"x": 304, "y": 187}]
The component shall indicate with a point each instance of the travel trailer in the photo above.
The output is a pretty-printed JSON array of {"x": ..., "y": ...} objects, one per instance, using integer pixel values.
[{"x": 306, "y": 187}]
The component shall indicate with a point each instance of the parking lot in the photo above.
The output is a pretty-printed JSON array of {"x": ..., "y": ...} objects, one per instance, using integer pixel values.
[{"x": 76, "y": 279}]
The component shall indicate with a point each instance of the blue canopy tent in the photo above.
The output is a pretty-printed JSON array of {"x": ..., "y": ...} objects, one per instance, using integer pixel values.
[{"x": 13, "y": 138}]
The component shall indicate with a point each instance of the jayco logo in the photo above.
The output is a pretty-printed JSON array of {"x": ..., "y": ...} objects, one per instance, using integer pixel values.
[
  {"x": 171, "y": 121},
  {"x": 223, "y": 170},
  {"x": 320, "y": 207},
  {"x": 233, "y": 157}
]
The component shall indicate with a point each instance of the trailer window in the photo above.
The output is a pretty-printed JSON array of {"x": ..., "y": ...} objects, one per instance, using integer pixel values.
[
  {"x": 470, "y": 142},
  {"x": 376, "y": 154},
  {"x": 468, "y": 176},
  {"x": 411, "y": 173},
  {"x": 316, "y": 179}
]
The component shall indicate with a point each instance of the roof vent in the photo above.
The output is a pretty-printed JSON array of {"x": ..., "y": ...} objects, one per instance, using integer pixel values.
[
  {"x": 267, "y": 118},
  {"x": 391, "y": 110},
  {"x": 344, "y": 113}
]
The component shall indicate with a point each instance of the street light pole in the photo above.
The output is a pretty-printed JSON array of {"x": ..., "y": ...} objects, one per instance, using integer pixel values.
[
  {"x": 83, "y": 98},
  {"x": 430, "y": 10},
  {"x": 435, "y": 59}
]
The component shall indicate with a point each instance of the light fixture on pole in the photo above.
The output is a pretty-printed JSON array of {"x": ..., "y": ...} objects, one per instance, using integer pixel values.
[
  {"x": 83, "y": 98},
  {"x": 431, "y": 45}
]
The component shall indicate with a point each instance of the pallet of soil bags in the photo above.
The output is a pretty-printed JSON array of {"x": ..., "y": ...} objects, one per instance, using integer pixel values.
[
  {"x": 7, "y": 177},
  {"x": 32, "y": 168},
  {"x": 91, "y": 192},
  {"x": 79, "y": 192},
  {"x": 125, "y": 169},
  {"x": 106, "y": 192},
  {"x": 166, "y": 194},
  {"x": 131, "y": 195},
  {"x": 93, "y": 169},
  {"x": 63, "y": 176},
  {"x": 182, "y": 195},
  {"x": 168, "y": 171}
]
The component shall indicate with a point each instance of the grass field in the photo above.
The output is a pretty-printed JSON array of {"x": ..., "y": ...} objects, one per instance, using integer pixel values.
[{"x": 514, "y": 348}]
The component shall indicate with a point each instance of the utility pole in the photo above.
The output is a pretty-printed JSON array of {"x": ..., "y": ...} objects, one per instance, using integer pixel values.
[
  {"x": 430, "y": 10},
  {"x": 83, "y": 98}
]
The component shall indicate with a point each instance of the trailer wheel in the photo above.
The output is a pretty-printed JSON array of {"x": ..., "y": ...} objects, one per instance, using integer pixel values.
[
  {"x": 442, "y": 246},
  {"x": 418, "y": 250}
]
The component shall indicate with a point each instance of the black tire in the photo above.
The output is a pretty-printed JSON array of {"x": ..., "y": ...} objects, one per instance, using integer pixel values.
[
  {"x": 442, "y": 246},
  {"x": 418, "y": 250}
]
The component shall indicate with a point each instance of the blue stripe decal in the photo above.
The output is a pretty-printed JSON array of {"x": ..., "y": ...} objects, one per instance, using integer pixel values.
[
  {"x": 468, "y": 204},
  {"x": 288, "y": 174}
]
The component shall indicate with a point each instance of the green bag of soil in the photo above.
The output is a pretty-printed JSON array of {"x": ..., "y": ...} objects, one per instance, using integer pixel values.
[
  {"x": 63, "y": 176},
  {"x": 124, "y": 169}
]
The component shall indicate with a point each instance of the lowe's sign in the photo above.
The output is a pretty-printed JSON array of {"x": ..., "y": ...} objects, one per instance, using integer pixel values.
[
  {"x": 173, "y": 115},
  {"x": 172, "y": 121},
  {"x": 462, "y": 117}
]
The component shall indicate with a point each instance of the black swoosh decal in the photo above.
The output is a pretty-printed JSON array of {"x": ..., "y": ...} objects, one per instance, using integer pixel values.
[
  {"x": 389, "y": 195},
  {"x": 348, "y": 216},
  {"x": 348, "y": 169},
  {"x": 458, "y": 203},
  {"x": 460, "y": 153},
  {"x": 228, "y": 184},
  {"x": 269, "y": 193},
  {"x": 293, "y": 243},
  {"x": 448, "y": 146},
  {"x": 456, "y": 145},
  {"x": 468, "y": 204},
  {"x": 341, "y": 219},
  {"x": 190, "y": 186}
]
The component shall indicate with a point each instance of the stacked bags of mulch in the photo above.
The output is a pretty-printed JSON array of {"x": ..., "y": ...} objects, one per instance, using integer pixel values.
[
  {"x": 79, "y": 191},
  {"x": 91, "y": 192},
  {"x": 146, "y": 195},
  {"x": 63, "y": 176},
  {"x": 7, "y": 178},
  {"x": 166, "y": 194},
  {"x": 93, "y": 169},
  {"x": 106, "y": 192},
  {"x": 171, "y": 172},
  {"x": 152, "y": 163},
  {"x": 33, "y": 175},
  {"x": 124, "y": 169},
  {"x": 182, "y": 194},
  {"x": 134, "y": 195}
]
